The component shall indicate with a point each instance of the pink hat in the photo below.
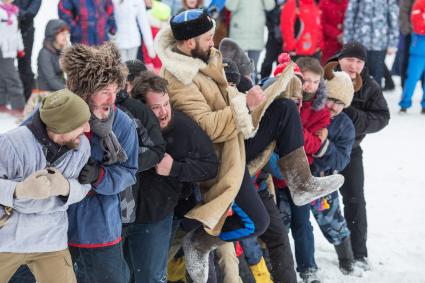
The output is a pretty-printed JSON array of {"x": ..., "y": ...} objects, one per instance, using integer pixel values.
[{"x": 284, "y": 59}]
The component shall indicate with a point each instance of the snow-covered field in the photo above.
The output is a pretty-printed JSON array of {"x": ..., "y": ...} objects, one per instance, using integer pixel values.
[{"x": 395, "y": 191}]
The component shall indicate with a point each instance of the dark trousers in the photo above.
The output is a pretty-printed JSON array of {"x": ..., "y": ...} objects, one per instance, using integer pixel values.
[
  {"x": 273, "y": 49},
  {"x": 277, "y": 242},
  {"x": 146, "y": 250},
  {"x": 100, "y": 265},
  {"x": 298, "y": 219},
  {"x": 281, "y": 123},
  {"x": 24, "y": 64},
  {"x": 354, "y": 202},
  {"x": 376, "y": 64},
  {"x": 405, "y": 58}
]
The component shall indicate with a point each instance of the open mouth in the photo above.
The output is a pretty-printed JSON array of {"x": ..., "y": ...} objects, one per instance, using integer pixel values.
[{"x": 163, "y": 118}]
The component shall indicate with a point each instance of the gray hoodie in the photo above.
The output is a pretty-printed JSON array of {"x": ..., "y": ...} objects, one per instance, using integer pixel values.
[{"x": 36, "y": 225}]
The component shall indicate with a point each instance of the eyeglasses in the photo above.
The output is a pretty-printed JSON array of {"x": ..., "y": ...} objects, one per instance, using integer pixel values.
[{"x": 188, "y": 15}]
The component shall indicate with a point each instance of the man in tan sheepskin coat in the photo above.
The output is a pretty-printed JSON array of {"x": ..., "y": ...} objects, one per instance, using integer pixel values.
[{"x": 241, "y": 126}]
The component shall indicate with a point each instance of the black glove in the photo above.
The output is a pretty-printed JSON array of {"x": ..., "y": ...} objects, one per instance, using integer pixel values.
[{"x": 90, "y": 172}]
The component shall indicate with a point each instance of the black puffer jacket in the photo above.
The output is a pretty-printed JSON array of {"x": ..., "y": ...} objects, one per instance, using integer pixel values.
[
  {"x": 50, "y": 75},
  {"x": 369, "y": 110}
]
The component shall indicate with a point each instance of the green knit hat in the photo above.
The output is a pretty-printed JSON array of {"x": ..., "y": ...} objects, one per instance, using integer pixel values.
[{"x": 63, "y": 111}]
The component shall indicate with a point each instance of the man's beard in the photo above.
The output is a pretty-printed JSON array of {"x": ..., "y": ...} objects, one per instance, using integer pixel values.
[
  {"x": 73, "y": 144},
  {"x": 198, "y": 53}
]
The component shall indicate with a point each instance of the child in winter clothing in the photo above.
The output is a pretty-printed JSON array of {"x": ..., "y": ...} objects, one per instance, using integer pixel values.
[
  {"x": 11, "y": 46},
  {"x": 333, "y": 158},
  {"x": 50, "y": 75},
  {"x": 36, "y": 232},
  {"x": 130, "y": 16},
  {"x": 301, "y": 28},
  {"x": 416, "y": 66}
]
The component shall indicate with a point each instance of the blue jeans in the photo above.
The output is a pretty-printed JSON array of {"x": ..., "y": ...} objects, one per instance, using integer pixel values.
[
  {"x": 146, "y": 250},
  {"x": 298, "y": 219},
  {"x": 100, "y": 265}
]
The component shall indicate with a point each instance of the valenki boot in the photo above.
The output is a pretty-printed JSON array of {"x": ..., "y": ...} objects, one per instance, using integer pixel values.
[
  {"x": 303, "y": 186},
  {"x": 346, "y": 259},
  {"x": 197, "y": 246}
]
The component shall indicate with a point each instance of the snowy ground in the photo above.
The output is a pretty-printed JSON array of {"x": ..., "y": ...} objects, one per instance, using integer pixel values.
[{"x": 394, "y": 191}]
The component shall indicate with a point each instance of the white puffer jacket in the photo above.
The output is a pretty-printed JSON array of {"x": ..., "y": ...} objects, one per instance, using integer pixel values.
[
  {"x": 10, "y": 36},
  {"x": 129, "y": 15}
]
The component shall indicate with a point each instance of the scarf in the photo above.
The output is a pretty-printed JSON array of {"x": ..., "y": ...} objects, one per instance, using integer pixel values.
[
  {"x": 11, "y": 10},
  {"x": 113, "y": 151}
]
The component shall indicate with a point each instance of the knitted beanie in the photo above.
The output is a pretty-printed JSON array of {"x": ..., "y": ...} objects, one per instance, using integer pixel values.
[
  {"x": 63, "y": 111},
  {"x": 353, "y": 49},
  {"x": 284, "y": 59}
]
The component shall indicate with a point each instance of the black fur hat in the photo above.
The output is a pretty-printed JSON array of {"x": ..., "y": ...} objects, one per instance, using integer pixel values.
[{"x": 191, "y": 23}]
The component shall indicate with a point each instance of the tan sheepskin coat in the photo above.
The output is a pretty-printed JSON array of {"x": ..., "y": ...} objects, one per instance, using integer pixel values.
[{"x": 201, "y": 91}]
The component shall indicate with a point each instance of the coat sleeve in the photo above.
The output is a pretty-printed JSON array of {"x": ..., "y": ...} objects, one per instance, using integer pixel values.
[
  {"x": 287, "y": 23},
  {"x": 374, "y": 116},
  {"x": 143, "y": 21},
  {"x": 8, "y": 164},
  {"x": 393, "y": 26},
  {"x": 32, "y": 9},
  {"x": 47, "y": 69},
  {"x": 200, "y": 164},
  {"x": 350, "y": 13},
  {"x": 336, "y": 155},
  {"x": 117, "y": 177},
  {"x": 151, "y": 142},
  {"x": 220, "y": 125},
  {"x": 404, "y": 16},
  {"x": 66, "y": 13}
]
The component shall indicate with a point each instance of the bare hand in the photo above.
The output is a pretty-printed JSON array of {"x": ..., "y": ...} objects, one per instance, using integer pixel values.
[
  {"x": 255, "y": 97},
  {"x": 322, "y": 134},
  {"x": 391, "y": 50},
  {"x": 163, "y": 168}
]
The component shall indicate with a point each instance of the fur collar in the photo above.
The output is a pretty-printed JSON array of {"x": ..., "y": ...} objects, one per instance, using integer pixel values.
[
  {"x": 183, "y": 67},
  {"x": 320, "y": 96}
]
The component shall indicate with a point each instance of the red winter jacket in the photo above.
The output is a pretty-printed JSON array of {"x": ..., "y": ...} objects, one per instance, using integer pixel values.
[
  {"x": 332, "y": 18},
  {"x": 309, "y": 38},
  {"x": 418, "y": 17},
  {"x": 314, "y": 116}
]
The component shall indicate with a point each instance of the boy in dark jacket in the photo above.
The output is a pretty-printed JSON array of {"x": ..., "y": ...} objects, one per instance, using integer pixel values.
[
  {"x": 370, "y": 114},
  {"x": 331, "y": 159},
  {"x": 189, "y": 158}
]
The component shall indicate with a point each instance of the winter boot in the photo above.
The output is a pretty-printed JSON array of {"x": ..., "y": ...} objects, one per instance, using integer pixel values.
[
  {"x": 303, "y": 186},
  {"x": 362, "y": 263},
  {"x": 310, "y": 276},
  {"x": 346, "y": 259},
  {"x": 197, "y": 245},
  {"x": 260, "y": 272},
  {"x": 423, "y": 111}
]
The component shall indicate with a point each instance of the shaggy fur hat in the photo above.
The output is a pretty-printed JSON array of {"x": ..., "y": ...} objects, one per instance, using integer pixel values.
[
  {"x": 135, "y": 67},
  {"x": 339, "y": 84},
  {"x": 230, "y": 49},
  {"x": 91, "y": 68}
]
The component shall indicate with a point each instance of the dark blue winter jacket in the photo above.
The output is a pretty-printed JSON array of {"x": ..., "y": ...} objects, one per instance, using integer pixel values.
[
  {"x": 96, "y": 220},
  {"x": 336, "y": 155}
]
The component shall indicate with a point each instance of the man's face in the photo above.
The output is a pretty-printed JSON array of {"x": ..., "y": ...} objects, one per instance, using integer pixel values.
[
  {"x": 103, "y": 100},
  {"x": 71, "y": 139},
  {"x": 159, "y": 103},
  {"x": 335, "y": 106},
  {"x": 352, "y": 66},
  {"x": 203, "y": 44},
  {"x": 311, "y": 82}
]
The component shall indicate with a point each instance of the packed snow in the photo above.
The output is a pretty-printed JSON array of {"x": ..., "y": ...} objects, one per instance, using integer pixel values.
[{"x": 394, "y": 189}]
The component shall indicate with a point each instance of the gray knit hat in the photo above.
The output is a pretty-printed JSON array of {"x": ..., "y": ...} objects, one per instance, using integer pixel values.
[{"x": 230, "y": 49}]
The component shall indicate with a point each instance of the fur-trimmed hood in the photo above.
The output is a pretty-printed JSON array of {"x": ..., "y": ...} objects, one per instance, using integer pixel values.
[
  {"x": 183, "y": 67},
  {"x": 320, "y": 96}
]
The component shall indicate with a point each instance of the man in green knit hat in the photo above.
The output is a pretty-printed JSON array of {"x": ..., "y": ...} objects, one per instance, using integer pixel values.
[{"x": 39, "y": 169}]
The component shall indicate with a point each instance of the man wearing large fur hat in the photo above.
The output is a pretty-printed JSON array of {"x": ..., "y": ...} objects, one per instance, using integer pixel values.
[
  {"x": 96, "y": 75},
  {"x": 241, "y": 127}
]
